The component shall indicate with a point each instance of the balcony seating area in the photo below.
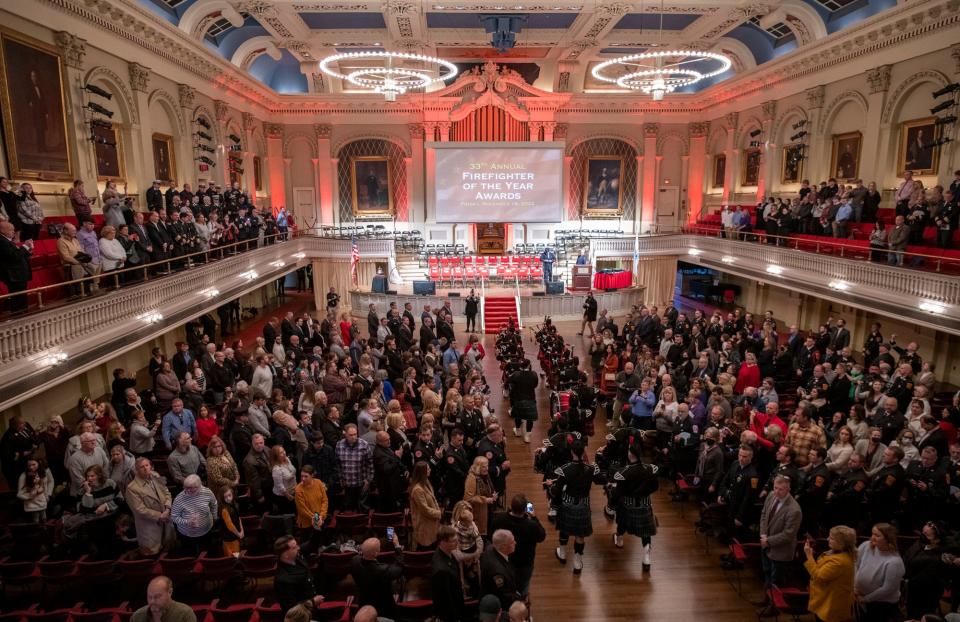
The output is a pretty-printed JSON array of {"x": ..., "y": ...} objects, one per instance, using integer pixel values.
[
  {"x": 461, "y": 270},
  {"x": 924, "y": 256}
]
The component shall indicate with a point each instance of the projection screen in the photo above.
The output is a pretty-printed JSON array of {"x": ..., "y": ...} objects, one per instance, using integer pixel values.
[{"x": 497, "y": 182}]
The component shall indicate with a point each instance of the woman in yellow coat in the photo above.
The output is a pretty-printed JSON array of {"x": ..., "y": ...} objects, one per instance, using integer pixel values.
[{"x": 831, "y": 576}]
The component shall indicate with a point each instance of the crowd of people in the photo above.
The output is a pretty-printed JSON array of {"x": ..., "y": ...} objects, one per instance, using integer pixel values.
[
  {"x": 830, "y": 209},
  {"x": 176, "y": 230},
  {"x": 788, "y": 436},
  {"x": 314, "y": 418}
]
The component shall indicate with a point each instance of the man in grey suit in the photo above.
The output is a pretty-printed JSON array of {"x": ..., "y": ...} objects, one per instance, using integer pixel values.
[{"x": 779, "y": 525}]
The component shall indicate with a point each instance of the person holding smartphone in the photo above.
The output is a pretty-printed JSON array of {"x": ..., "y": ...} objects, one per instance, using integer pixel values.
[{"x": 523, "y": 523}]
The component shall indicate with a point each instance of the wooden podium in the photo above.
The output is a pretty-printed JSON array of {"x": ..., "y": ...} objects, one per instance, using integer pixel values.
[{"x": 582, "y": 278}]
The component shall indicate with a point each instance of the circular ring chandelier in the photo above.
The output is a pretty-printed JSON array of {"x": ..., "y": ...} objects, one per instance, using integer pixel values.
[
  {"x": 660, "y": 72},
  {"x": 398, "y": 72}
]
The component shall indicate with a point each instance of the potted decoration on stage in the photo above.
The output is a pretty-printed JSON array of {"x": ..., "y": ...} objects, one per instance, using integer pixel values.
[
  {"x": 602, "y": 190},
  {"x": 370, "y": 185}
]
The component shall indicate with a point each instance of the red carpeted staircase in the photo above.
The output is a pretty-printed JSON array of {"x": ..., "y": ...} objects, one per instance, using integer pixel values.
[{"x": 497, "y": 311}]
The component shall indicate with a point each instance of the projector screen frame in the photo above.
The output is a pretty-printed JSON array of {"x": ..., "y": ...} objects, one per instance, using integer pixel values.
[{"x": 431, "y": 147}]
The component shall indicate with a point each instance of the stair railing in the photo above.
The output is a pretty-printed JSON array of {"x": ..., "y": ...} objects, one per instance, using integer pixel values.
[
  {"x": 483, "y": 298},
  {"x": 516, "y": 300}
]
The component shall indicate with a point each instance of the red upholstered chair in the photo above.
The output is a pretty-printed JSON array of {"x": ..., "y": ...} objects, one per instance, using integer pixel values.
[
  {"x": 350, "y": 523},
  {"x": 233, "y": 613},
  {"x": 217, "y": 570},
  {"x": 336, "y": 566},
  {"x": 335, "y": 611},
  {"x": 457, "y": 274},
  {"x": 19, "y": 574},
  {"x": 258, "y": 566},
  {"x": 178, "y": 568},
  {"x": 273, "y": 613},
  {"x": 61, "y": 573},
  {"x": 54, "y": 615},
  {"x": 434, "y": 272},
  {"x": 790, "y": 601},
  {"x": 414, "y": 610},
  {"x": 107, "y": 614}
]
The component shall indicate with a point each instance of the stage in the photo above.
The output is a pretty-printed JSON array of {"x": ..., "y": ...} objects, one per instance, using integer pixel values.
[{"x": 533, "y": 307}]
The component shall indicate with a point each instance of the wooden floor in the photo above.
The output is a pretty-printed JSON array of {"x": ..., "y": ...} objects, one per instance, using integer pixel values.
[{"x": 686, "y": 582}]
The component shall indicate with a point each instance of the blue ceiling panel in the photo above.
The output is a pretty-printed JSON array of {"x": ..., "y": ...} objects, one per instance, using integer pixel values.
[
  {"x": 283, "y": 75},
  {"x": 760, "y": 44},
  {"x": 651, "y": 21},
  {"x": 236, "y": 36},
  {"x": 343, "y": 21},
  {"x": 472, "y": 20}
]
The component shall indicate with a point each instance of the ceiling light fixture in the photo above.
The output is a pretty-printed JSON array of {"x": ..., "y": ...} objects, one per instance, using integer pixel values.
[
  {"x": 388, "y": 73},
  {"x": 661, "y": 71}
]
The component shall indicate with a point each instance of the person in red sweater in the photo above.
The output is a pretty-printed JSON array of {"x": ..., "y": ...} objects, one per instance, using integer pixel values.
[
  {"x": 207, "y": 427},
  {"x": 760, "y": 421},
  {"x": 749, "y": 374}
]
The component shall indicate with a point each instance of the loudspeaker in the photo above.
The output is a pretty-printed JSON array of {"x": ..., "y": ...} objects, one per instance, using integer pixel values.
[
  {"x": 391, "y": 292},
  {"x": 554, "y": 287},
  {"x": 424, "y": 288},
  {"x": 539, "y": 293},
  {"x": 453, "y": 294}
]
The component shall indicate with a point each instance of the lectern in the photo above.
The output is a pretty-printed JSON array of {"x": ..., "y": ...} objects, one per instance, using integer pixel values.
[{"x": 582, "y": 278}]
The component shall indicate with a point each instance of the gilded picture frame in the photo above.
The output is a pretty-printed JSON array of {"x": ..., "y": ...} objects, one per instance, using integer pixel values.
[
  {"x": 912, "y": 156},
  {"x": 719, "y": 169},
  {"x": 602, "y": 192},
  {"x": 164, "y": 158},
  {"x": 791, "y": 169},
  {"x": 371, "y": 186},
  {"x": 750, "y": 168},
  {"x": 845, "y": 158},
  {"x": 109, "y": 158},
  {"x": 35, "y": 127}
]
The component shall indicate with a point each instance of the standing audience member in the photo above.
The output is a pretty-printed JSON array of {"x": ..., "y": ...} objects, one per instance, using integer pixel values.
[
  {"x": 879, "y": 571},
  {"x": 831, "y": 576}
]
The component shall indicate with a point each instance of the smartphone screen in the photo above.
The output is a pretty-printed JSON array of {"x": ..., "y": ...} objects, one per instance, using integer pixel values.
[
  {"x": 530, "y": 507},
  {"x": 389, "y": 533}
]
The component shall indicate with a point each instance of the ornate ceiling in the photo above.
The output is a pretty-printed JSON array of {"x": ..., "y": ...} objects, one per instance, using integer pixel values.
[{"x": 279, "y": 42}]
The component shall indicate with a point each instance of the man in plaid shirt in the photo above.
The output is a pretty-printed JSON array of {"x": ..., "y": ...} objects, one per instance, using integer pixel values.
[
  {"x": 356, "y": 466},
  {"x": 804, "y": 434}
]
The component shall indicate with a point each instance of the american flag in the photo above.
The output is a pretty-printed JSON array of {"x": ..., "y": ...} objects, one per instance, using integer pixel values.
[{"x": 354, "y": 259}]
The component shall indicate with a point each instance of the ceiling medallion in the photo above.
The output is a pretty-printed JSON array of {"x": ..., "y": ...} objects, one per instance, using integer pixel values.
[
  {"x": 660, "y": 72},
  {"x": 388, "y": 73}
]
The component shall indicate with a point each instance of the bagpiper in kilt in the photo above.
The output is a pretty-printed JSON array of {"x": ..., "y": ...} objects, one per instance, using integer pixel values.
[
  {"x": 629, "y": 495},
  {"x": 571, "y": 488}
]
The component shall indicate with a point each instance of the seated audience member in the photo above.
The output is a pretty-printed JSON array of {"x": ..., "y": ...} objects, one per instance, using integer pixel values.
[
  {"x": 160, "y": 605},
  {"x": 374, "y": 579}
]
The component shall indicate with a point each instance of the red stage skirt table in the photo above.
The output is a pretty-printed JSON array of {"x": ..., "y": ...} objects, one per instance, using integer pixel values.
[{"x": 612, "y": 280}]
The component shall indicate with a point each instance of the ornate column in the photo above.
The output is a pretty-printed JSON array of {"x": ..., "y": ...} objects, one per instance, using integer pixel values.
[
  {"x": 767, "y": 179},
  {"x": 335, "y": 199},
  {"x": 78, "y": 134},
  {"x": 416, "y": 184},
  {"x": 444, "y": 131},
  {"x": 560, "y": 135},
  {"x": 535, "y": 127},
  {"x": 549, "y": 129},
  {"x": 277, "y": 169},
  {"x": 220, "y": 112},
  {"x": 730, "y": 172},
  {"x": 818, "y": 150},
  {"x": 649, "y": 177},
  {"x": 249, "y": 123},
  {"x": 696, "y": 169},
  {"x": 325, "y": 173},
  {"x": 682, "y": 209},
  {"x": 638, "y": 199},
  {"x": 187, "y": 96},
  {"x": 139, "y": 84},
  {"x": 870, "y": 156},
  {"x": 315, "y": 217}
]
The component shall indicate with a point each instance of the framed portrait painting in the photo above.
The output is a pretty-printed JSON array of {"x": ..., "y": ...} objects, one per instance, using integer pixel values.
[
  {"x": 750, "y": 174},
  {"x": 164, "y": 166},
  {"x": 602, "y": 193},
  {"x": 109, "y": 154},
  {"x": 845, "y": 162},
  {"x": 257, "y": 174},
  {"x": 370, "y": 184},
  {"x": 719, "y": 169},
  {"x": 792, "y": 169},
  {"x": 34, "y": 109},
  {"x": 916, "y": 153}
]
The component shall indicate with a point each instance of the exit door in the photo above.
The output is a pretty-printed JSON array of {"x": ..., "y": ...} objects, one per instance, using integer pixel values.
[{"x": 667, "y": 207}]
